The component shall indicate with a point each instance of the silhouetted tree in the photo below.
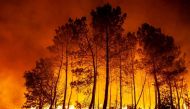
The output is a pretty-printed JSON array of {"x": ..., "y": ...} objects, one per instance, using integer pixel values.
[
  {"x": 80, "y": 50},
  {"x": 89, "y": 46},
  {"x": 173, "y": 72},
  {"x": 158, "y": 48},
  {"x": 132, "y": 47},
  {"x": 40, "y": 82},
  {"x": 64, "y": 43},
  {"x": 107, "y": 21}
]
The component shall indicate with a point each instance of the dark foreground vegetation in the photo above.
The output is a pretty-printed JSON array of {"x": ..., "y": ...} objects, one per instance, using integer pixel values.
[{"x": 83, "y": 55}]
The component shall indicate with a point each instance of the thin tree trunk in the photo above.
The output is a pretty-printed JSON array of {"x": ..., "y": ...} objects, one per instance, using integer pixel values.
[
  {"x": 110, "y": 95},
  {"x": 156, "y": 97},
  {"x": 70, "y": 98},
  {"x": 107, "y": 71},
  {"x": 133, "y": 76},
  {"x": 98, "y": 97},
  {"x": 97, "y": 77},
  {"x": 70, "y": 95},
  {"x": 55, "y": 105},
  {"x": 92, "y": 103},
  {"x": 149, "y": 94},
  {"x": 181, "y": 92},
  {"x": 157, "y": 85},
  {"x": 66, "y": 77},
  {"x": 142, "y": 90},
  {"x": 171, "y": 97},
  {"x": 120, "y": 83},
  {"x": 56, "y": 82},
  {"x": 116, "y": 95},
  {"x": 158, "y": 92},
  {"x": 132, "y": 93},
  {"x": 51, "y": 104},
  {"x": 178, "y": 98},
  {"x": 143, "y": 100}
]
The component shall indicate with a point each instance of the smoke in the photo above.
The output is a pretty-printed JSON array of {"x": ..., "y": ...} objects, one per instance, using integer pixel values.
[{"x": 27, "y": 27}]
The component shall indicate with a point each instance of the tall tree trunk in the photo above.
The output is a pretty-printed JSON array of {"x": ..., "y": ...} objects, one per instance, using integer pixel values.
[
  {"x": 157, "y": 85},
  {"x": 116, "y": 101},
  {"x": 96, "y": 74},
  {"x": 142, "y": 90},
  {"x": 98, "y": 97},
  {"x": 51, "y": 104},
  {"x": 181, "y": 92},
  {"x": 149, "y": 94},
  {"x": 157, "y": 91},
  {"x": 56, "y": 82},
  {"x": 110, "y": 94},
  {"x": 178, "y": 98},
  {"x": 92, "y": 103},
  {"x": 133, "y": 76},
  {"x": 66, "y": 74},
  {"x": 120, "y": 82},
  {"x": 55, "y": 105},
  {"x": 107, "y": 71},
  {"x": 156, "y": 97},
  {"x": 143, "y": 100},
  {"x": 70, "y": 98},
  {"x": 97, "y": 78},
  {"x": 132, "y": 93},
  {"x": 171, "y": 97}
]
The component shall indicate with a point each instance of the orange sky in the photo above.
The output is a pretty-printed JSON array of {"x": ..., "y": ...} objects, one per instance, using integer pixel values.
[{"x": 27, "y": 27}]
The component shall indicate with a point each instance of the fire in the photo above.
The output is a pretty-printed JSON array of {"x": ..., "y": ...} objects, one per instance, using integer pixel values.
[
  {"x": 184, "y": 106},
  {"x": 58, "y": 107}
]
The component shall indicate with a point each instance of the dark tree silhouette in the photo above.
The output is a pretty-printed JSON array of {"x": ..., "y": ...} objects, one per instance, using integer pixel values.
[
  {"x": 80, "y": 50},
  {"x": 158, "y": 48},
  {"x": 64, "y": 44},
  {"x": 86, "y": 49},
  {"x": 124, "y": 51},
  {"x": 132, "y": 43},
  {"x": 173, "y": 72},
  {"x": 40, "y": 82},
  {"x": 88, "y": 45},
  {"x": 108, "y": 22}
]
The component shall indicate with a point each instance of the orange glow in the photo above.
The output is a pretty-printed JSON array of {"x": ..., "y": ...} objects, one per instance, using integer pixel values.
[{"x": 27, "y": 28}]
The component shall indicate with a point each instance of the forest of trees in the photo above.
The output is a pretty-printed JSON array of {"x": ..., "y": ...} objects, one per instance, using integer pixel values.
[{"x": 99, "y": 66}]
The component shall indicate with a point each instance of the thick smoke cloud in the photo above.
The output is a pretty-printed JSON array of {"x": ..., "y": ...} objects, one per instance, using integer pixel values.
[{"x": 27, "y": 27}]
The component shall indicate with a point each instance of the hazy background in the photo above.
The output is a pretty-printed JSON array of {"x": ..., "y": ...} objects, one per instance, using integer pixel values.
[{"x": 27, "y": 27}]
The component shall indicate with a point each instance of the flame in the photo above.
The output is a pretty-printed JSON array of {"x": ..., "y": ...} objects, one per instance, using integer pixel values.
[
  {"x": 184, "y": 106},
  {"x": 125, "y": 107},
  {"x": 58, "y": 107}
]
